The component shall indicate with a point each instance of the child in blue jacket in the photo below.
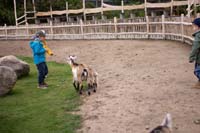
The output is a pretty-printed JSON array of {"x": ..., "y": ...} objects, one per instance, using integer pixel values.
[{"x": 39, "y": 58}]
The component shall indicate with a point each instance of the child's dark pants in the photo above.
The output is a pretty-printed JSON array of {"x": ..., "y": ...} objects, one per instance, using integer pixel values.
[
  {"x": 42, "y": 72},
  {"x": 197, "y": 70}
]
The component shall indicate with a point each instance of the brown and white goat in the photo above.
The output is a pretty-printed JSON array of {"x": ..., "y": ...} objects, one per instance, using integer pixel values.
[
  {"x": 92, "y": 79},
  {"x": 165, "y": 127},
  {"x": 82, "y": 73}
]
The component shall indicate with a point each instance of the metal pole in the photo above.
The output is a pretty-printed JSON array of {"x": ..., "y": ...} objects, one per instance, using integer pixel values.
[
  {"x": 145, "y": 7},
  {"x": 84, "y": 15},
  {"x": 163, "y": 26},
  {"x": 25, "y": 11},
  {"x": 102, "y": 9},
  {"x": 172, "y": 3},
  {"x": 51, "y": 11},
  {"x": 6, "y": 32},
  {"x": 122, "y": 4},
  {"x": 15, "y": 11},
  {"x": 67, "y": 16},
  {"x": 34, "y": 9},
  {"x": 96, "y": 3}
]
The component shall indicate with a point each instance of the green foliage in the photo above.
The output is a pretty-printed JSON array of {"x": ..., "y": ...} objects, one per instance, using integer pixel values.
[
  {"x": 180, "y": 10},
  {"x": 139, "y": 13},
  {"x": 198, "y": 9},
  {"x": 127, "y": 2},
  {"x": 28, "y": 109},
  {"x": 90, "y": 5},
  {"x": 112, "y": 14},
  {"x": 43, "y": 5},
  {"x": 6, "y": 13},
  {"x": 75, "y": 4},
  {"x": 135, "y": 2}
]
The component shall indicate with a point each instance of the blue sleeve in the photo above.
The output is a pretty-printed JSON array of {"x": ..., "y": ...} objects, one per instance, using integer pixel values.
[{"x": 38, "y": 49}]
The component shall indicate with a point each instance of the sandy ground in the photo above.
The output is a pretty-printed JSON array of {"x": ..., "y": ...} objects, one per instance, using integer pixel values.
[{"x": 139, "y": 82}]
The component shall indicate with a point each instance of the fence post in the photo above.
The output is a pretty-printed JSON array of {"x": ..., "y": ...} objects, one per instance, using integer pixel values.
[
  {"x": 147, "y": 24},
  {"x": 115, "y": 24},
  {"x": 122, "y": 6},
  {"x": 51, "y": 30},
  {"x": 145, "y": 7},
  {"x": 102, "y": 17},
  {"x": 81, "y": 26},
  {"x": 182, "y": 27},
  {"x": 163, "y": 26},
  {"x": 6, "y": 32},
  {"x": 84, "y": 14},
  {"x": 67, "y": 16},
  {"x": 27, "y": 32},
  {"x": 171, "y": 11},
  {"x": 198, "y": 15}
]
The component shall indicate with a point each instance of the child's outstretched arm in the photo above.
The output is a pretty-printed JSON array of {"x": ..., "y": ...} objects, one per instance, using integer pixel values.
[{"x": 48, "y": 50}]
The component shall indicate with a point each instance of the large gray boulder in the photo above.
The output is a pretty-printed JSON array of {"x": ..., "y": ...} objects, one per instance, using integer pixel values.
[
  {"x": 20, "y": 67},
  {"x": 8, "y": 79}
]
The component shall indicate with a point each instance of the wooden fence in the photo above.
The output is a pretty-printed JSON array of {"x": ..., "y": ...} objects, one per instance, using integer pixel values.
[{"x": 170, "y": 28}]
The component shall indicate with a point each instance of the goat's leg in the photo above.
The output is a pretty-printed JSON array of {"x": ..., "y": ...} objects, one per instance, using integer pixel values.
[
  {"x": 94, "y": 87},
  {"x": 74, "y": 84},
  {"x": 76, "y": 87},
  {"x": 81, "y": 88},
  {"x": 88, "y": 89}
]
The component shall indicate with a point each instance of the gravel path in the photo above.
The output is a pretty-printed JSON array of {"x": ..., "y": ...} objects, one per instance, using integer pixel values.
[{"x": 140, "y": 81}]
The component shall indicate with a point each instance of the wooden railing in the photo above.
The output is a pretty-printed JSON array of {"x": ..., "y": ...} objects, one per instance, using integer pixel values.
[{"x": 170, "y": 28}]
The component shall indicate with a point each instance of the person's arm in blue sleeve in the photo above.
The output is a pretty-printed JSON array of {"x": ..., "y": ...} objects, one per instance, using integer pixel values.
[{"x": 38, "y": 49}]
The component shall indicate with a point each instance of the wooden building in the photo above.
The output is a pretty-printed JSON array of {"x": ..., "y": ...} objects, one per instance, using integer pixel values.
[{"x": 150, "y": 7}]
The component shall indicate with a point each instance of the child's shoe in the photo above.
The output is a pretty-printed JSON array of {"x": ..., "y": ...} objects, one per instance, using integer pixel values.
[
  {"x": 42, "y": 86},
  {"x": 45, "y": 84}
]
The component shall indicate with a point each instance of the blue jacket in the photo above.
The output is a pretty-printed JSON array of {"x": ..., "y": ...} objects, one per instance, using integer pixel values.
[{"x": 38, "y": 51}]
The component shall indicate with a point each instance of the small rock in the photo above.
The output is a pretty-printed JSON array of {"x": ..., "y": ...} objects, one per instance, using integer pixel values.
[
  {"x": 147, "y": 128},
  {"x": 197, "y": 122}
]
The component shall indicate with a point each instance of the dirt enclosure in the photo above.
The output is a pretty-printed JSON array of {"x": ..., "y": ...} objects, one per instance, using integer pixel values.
[{"x": 139, "y": 82}]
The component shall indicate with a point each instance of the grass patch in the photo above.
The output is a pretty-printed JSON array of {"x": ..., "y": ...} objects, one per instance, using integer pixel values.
[{"x": 28, "y": 109}]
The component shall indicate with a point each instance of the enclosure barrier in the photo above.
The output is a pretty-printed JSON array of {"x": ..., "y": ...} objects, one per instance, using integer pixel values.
[{"x": 169, "y": 28}]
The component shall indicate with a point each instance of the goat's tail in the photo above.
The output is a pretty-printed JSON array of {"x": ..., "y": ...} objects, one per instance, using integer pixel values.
[
  {"x": 84, "y": 74},
  {"x": 167, "y": 121}
]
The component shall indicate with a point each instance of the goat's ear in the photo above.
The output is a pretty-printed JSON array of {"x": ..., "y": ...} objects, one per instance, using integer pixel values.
[{"x": 74, "y": 57}]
